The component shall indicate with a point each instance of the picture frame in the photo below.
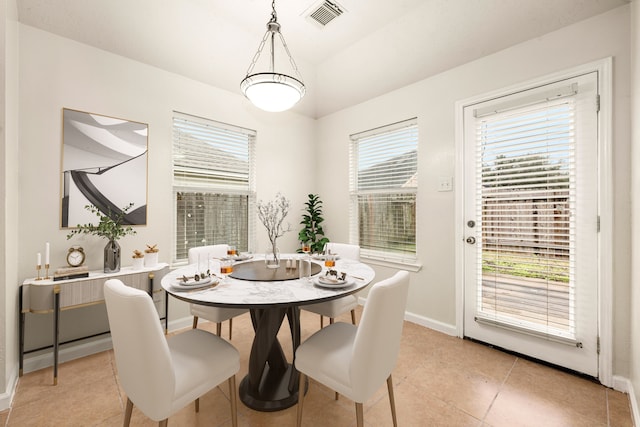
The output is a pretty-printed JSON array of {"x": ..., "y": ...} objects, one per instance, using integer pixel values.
[{"x": 104, "y": 163}]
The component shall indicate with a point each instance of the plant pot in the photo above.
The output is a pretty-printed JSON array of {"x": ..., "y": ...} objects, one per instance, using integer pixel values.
[
  {"x": 112, "y": 257},
  {"x": 150, "y": 259},
  {"x": 138, "y": 263}
]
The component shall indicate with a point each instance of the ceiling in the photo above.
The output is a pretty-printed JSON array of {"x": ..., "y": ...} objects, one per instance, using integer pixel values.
[{"x": 374, "y": 47}]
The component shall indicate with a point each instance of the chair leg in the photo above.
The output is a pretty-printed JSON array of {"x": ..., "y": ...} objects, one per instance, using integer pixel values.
[
  {"x": 197, "y": 405},
  {"x": 230, "y": 327},
  {"x": 234, "y": 400},
  {"x": 195, "y": 322},
  {"x": 127, "y": 413},
  {"x": 219, "y": 329},
  {"x": 359, "y": 415},
  {"x": 331, "y": 320},
  {"x": 321, "y": 321},
  {"x": 163, "y": 423},
  {"x": 300, "y": 398},
  {"x": 392, "y": 401},
  {"x": 353, "y": 317}
]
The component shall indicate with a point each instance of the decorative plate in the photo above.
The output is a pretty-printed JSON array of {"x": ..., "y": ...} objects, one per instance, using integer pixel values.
[{"x": 332, "y": 283}]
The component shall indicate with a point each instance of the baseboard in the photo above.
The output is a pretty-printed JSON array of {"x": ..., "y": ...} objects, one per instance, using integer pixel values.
[
  {"x": 431, "y": 324},
  {"x": 6, "y": 398},
  {"x": 628, "y": 388},
  {"x": 44, "y": 359},
  {"x": 424, "y": 321}
]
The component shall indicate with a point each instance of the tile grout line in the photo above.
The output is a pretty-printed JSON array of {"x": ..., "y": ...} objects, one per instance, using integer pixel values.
[
  {"x": 499, "y": 390},
  {"x": 606, "y": 395}
]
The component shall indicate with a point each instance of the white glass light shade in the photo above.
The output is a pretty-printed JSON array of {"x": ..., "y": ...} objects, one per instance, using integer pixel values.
[{"x": 272, "y": 92}]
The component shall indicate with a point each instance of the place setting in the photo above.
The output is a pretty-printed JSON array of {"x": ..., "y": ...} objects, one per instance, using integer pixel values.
[
  {"x": 197, "y": 281},
  {"x": 332, "y": 279},
  {"x": 234, "y": 255}
]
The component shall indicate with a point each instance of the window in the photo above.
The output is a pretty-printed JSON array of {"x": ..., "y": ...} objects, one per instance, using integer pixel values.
[
  {"x": 383, "y": 187},
  {"x": 213, "y": 184}
]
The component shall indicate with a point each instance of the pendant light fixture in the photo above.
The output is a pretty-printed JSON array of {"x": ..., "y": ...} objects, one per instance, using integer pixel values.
[{"x": 271, "y": 90}]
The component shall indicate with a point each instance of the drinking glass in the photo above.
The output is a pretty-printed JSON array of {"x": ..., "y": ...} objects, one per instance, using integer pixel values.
[
  {"x": 226, "y": 268},
  {"x": 306, "y": 247},
  {"x": 304, "y": 268},
  {"x": 329, "y": 260},
  {"x": 231, "y": 250}
]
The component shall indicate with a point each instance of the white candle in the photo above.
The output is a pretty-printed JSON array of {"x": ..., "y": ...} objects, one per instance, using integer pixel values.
[
  {"x": 46, "y": 253},
  {"x": 39, "y": 259}
]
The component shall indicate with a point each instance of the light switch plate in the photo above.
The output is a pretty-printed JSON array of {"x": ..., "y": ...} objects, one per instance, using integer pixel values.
[{"x": 445, "y": 183}]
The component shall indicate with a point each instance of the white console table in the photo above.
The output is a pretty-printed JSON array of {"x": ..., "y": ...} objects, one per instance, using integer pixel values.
[{"x": 46, "y": 296}]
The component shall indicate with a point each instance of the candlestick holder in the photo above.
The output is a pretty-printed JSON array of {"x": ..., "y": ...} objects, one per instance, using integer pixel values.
[
  {"x": 46, "y": 272},
  {"x": 38, "y": 268}
]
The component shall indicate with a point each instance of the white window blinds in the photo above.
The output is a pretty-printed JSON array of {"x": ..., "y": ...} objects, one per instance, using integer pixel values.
[
  {"x": 527, "y": 187},
  {"x": 213, "y": 183},
  {"x": 384, "y": 181},
  {"x": 209, "y": 154}
]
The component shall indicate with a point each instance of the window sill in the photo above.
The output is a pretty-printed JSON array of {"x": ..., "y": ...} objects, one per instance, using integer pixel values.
[{"x": 409, "y": 266}]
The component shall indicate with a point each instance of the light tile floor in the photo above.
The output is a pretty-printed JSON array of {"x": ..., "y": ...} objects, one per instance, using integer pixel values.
[{"x": 439, "y": 381}]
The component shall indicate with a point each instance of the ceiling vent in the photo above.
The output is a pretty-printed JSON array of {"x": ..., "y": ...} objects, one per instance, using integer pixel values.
[{"x": 324, "y": 12}]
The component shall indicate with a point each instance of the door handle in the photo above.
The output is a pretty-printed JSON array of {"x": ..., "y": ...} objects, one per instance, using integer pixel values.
[{"x": 471, "y": 240}]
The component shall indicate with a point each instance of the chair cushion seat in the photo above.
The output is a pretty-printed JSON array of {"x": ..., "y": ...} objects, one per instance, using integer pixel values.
[
  {"x": 326, "y": 357},
  {"x": 333, "y": 308},
  {"x": 201, "y": 361},
  {"x": 216, "y": 314}
]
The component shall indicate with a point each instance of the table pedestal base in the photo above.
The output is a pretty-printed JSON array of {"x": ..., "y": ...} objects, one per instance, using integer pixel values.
[
  {"x": 272, "y": 382},
  {"x": 273, "y": 394}
]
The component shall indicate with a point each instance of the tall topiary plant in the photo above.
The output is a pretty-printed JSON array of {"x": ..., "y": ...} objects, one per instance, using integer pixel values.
[{"x": 312, "y": 221}]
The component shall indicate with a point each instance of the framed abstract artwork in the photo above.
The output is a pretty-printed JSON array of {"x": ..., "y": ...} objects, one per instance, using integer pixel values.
[{"x": 104, "y": 163}]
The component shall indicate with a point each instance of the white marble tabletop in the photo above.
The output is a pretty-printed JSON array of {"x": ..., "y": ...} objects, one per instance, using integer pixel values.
[{"x": 232, "y": 292}]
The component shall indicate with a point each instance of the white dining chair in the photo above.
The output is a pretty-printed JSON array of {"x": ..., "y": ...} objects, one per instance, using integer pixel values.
[
  {"x": 356, "y": 360},
  {"x": 336, "y": 307},
  {"x": 216, "y": 315},
  {"x": 161, "y": 375}
]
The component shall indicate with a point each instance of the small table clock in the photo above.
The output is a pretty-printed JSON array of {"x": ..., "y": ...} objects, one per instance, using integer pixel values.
[{"x": 75, "y": 256}]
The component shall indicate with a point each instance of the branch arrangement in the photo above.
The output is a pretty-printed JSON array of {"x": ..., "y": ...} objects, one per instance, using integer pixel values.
[{"x": 272, "y": 215}]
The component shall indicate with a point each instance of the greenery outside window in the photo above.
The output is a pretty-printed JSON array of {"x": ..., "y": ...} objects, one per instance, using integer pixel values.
[
  {"x": 213, "y": 184},
  {"x": 383, "y": 188}
]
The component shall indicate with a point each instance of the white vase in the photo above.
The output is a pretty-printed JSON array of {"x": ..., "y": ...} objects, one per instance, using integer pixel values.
[
  {"x": 138, "y": 263},
  {"x": 150, "y": 259}
]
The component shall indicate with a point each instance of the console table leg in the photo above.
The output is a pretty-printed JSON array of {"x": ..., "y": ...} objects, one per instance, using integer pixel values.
[
  {"x": 56, "y": 330},
  {"x": 166, "y": 312},
  {"x": 21, "y": 332}
]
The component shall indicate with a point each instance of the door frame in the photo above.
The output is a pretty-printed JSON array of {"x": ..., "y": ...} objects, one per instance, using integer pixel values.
[{"x": 605, "y": 202}]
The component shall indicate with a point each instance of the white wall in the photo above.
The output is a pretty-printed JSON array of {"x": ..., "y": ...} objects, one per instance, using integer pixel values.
[
  {"x": 9, "y": 197},
  {"x": 634, "y": 374},
  {"x": 56, "y": 73},
  {"x": 432, "y": 295}
]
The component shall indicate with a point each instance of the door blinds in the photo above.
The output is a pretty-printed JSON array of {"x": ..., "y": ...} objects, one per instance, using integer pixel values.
[{"x": 526, "y": 192}]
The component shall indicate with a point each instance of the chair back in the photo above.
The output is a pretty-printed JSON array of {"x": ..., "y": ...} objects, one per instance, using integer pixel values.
[
  {"x": 207, "y": 252},
  {"x": 377, "y": 341},
  {"x": 142, "y": 354},
  {"x": 344, "y": 250}
]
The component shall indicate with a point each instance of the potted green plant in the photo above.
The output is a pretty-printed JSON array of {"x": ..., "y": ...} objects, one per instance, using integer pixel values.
[
  {"x": 312, "y": 221},
  {"x": 111, "y": 227}
]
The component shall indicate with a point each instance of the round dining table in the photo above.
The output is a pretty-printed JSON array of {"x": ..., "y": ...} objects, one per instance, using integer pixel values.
[{"x": 271, "y": 383}]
